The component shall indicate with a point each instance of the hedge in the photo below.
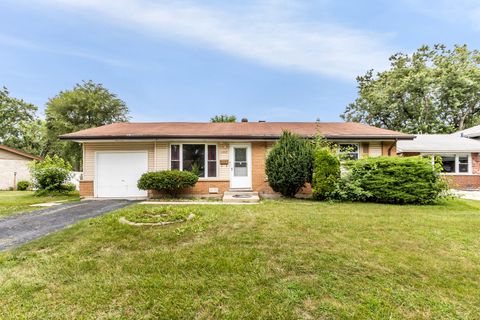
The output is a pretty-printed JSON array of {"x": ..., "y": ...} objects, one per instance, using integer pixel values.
[
  {"x": 168, "y": 181},
  {"x": 400, "y": 180}
]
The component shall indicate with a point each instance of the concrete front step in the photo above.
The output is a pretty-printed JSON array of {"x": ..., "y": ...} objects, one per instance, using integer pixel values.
[{"x": 241, "y": 197}]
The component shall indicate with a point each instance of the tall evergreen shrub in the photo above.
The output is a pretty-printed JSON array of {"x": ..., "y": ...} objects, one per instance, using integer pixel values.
[
  {"x": 326, "y": 173},
  {"x": 289, "y": 164}
]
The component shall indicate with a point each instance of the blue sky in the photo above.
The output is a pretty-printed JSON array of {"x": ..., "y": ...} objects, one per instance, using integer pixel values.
[{"x": 182, "y": 60}]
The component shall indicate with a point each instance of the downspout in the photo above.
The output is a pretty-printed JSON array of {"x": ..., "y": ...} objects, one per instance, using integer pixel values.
[{"x": 389, "y": 152}]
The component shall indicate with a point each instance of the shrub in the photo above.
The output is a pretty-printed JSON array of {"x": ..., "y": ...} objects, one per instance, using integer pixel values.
[
  {"x": 23, "y": 185},
  {"x": 411, "y": 180},
  {"x": 50, "y": 174},
  {"x": 289, "y": 164},
  {"x": 51, "y": 178},
  {"x": 326, "y": 172},
  {"x": 169, "y": 181},
  {"x": 69, "y": 187}
]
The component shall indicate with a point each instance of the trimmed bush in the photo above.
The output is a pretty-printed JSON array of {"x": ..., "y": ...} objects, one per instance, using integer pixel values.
[
  {"x": 289, "y": 164},
  {"x": 23, "y": 185},
  {"x": 168, "y": 181},
  {"x": 50, "y": 174},
  {"x": 51, "y": 178},
  {"x": 399, "y": 180},
  {"x": 326, "y": 172}
]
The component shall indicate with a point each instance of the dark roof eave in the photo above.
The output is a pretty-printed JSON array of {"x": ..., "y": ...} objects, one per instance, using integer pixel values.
[{"x": 220, "y": 137}]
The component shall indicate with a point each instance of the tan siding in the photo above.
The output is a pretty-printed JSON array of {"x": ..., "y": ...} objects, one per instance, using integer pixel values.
[
  {"x": 224, "y": 154},
  {"x": 375, "y": 149},
  {"x": 162, "y": 156},
  {"x": 92, "y": 147}
]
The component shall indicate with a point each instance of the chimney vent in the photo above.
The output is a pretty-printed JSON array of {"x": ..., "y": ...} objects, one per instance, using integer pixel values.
[{"x": 244, "y": 120}]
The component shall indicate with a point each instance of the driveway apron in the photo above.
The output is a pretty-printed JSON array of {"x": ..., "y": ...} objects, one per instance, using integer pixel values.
[{"x": 23, "y": 227}]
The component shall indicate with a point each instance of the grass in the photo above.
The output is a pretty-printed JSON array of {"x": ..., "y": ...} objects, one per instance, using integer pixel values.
[
  {"x": 19, "y": 201},
  {"x": 276, "y": 260}
]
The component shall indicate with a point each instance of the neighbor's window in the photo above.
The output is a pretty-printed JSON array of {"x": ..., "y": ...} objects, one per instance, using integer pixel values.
[
  {"x": 448, "y": 163},
  {"x": 200, "y": 158},
  {"x": 454, "y": 163},
  {"x": 463, "y": 164},
  {"x": 349, "y": 151}
]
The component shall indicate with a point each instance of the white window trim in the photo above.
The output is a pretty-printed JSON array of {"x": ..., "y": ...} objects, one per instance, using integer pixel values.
[
  {"x": 359, "y": 154},
  {"x": 457, "y": 162},
  {"x": 206, "y": 158}
]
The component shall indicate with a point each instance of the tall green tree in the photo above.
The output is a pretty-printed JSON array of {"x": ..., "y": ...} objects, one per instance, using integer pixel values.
[
  {"x": 87, "y": 105},
  {"x": 433, "y": 90},
  {"x": 32, "y": 138},
  {"x": 223, "y": 118},
  {"x": 15, "y": 114}
]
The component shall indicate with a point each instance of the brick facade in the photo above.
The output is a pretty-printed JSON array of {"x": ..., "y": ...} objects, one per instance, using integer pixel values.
[
  {"x": 201, "y": 189},
  {"x": 86, "y": 188},
  {"x": 259, "y": 151},
  {"x": 464, "y": 181}
]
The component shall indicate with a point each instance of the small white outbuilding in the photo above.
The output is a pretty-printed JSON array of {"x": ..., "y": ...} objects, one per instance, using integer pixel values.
[{"x": 13, "y": 166}]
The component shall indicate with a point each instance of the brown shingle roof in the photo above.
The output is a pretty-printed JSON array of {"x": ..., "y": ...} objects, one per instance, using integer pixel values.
[
  {"x": 237, "y": 130},
  {"x": 19, "y": 152}
]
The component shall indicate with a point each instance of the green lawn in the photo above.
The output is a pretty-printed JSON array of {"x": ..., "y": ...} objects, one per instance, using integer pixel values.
[
  {"x": 20, "y": 201},
  {"x": 276, "y": 260}
]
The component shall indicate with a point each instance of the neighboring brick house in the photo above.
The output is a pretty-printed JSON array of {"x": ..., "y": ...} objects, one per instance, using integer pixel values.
[
  {"x": 460, "y": 156},
  {"x": 231, "y": 156},
  {"x": 13, "y": 166}
]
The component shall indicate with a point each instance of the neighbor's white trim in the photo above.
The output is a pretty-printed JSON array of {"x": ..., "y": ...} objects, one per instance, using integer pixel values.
[{"x": 457, "y": 155}]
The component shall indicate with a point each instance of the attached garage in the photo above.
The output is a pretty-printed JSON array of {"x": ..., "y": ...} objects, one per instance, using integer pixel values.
[{"x": 117, "y": 173}]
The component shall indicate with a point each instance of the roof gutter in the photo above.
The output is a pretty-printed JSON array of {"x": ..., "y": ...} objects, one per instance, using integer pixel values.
[{"x": 331, "y": 137}]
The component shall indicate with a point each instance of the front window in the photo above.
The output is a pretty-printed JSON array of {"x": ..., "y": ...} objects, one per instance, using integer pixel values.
[
  {"x": 454, "y": 163},
  {"x": 198, "y": 158},
  {"x": 349, "y": 151}
]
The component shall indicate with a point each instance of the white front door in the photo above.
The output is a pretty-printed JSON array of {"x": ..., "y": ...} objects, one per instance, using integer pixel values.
[
  {"x": 240, "y": 166},
  {"x": 117, "y": 173}
]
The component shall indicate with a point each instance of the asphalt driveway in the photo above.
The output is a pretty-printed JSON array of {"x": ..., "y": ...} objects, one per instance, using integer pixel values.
[{"x": 21, "y": 228}]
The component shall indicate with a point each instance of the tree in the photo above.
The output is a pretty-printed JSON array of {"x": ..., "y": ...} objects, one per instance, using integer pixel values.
[
  {"x": 289, "y": 164},
  {"x": 31, "y": 137},
  {"x": 326, "y": 172},
  {"x": 15, "y": 114},
  {"x": 88, "y": 105},
  {"x": 223, "y": 118},
  {"x": 431, "y": 91}
]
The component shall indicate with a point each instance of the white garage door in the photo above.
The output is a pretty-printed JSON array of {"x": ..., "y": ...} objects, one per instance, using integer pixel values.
[{"x": 117, "y": 173}]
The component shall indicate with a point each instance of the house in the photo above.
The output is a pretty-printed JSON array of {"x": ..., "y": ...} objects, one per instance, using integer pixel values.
[
  {"x": 13, "y": 166},
  {"x": 228, "y": 155},
  {"x": 459, "y": 152}
]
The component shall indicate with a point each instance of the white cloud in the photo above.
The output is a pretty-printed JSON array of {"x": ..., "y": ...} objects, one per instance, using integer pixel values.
[
  {"x": 18, "y": 42},
  {"x": 268, "y": 32}
]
